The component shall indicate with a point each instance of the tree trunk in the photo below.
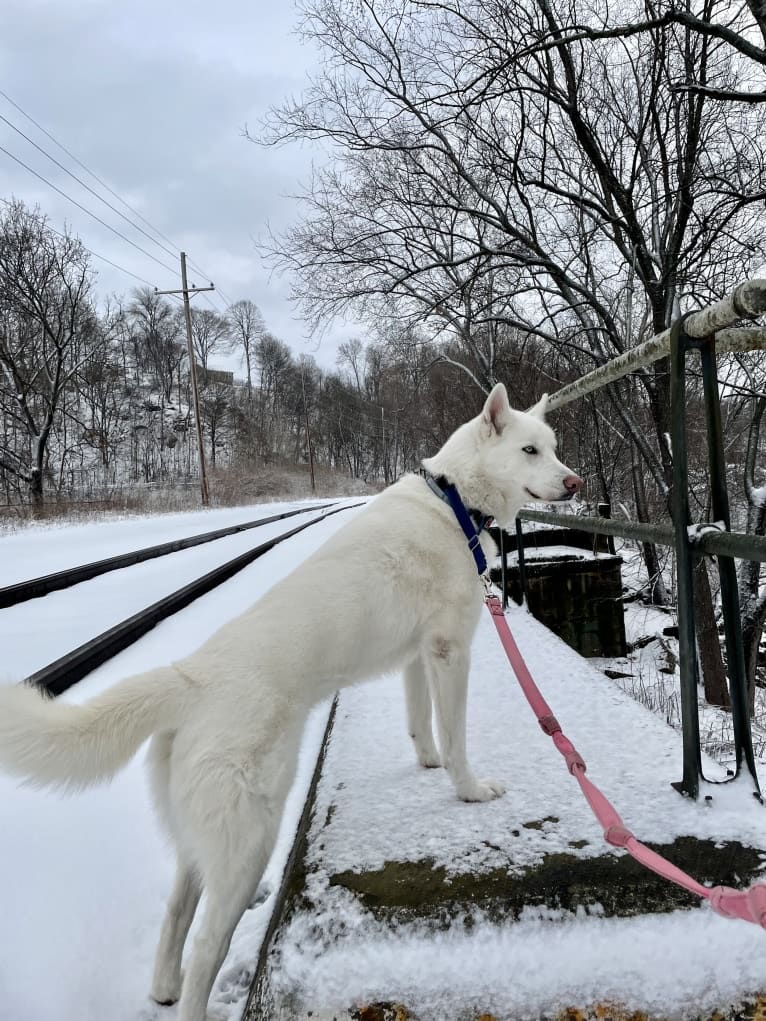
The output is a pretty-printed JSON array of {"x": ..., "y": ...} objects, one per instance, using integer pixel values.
[
  {"x": 658, "y": 595},
  {"x": 36, "y": 487},
  {"x": 708, "y": 642},
  {"x": 752, "y": 629}
]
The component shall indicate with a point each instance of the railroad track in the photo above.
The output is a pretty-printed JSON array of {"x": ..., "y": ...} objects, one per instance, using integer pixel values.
[
  {"x": 11, "y": 595},
  {"x": 70, "y": 668}
]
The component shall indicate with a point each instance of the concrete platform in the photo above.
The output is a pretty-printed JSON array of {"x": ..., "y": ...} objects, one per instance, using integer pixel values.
[{"x": 402, "y": 902}]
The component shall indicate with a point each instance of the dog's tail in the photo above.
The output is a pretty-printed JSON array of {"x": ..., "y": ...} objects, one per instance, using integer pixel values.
[{"x": 56, "y": 744}]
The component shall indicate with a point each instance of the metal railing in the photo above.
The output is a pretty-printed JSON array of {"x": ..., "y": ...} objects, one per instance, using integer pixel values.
[{"x": 710, "y": 331}]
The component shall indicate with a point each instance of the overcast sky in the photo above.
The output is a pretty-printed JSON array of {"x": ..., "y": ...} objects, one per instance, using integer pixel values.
[{"x": 154, "y": 97}]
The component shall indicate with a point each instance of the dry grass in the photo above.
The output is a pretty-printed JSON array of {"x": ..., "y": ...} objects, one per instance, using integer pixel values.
[{"x": 228, "y": 487}]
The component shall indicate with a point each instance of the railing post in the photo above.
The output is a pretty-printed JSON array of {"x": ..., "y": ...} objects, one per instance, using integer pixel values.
[
  {"x": 605, "y": 511},
  {"x": 522, "y": 564},
  {"x": 504, "y": 568},
  {"x": 735, "y": 655},
  {"x": 687, "y": 645}
]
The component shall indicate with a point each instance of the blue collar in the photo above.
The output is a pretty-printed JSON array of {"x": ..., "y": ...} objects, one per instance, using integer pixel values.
[{"x": 471, "y": 521}]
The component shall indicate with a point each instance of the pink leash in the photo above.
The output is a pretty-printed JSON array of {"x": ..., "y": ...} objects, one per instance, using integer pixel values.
[{"x": 749, "y": 905}]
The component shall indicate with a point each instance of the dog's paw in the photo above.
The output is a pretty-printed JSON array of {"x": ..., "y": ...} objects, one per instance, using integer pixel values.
[
  {"x": 260, "y": 896},
  {"x": 480, "y": 790},
  {"x": 430, "y": 759},
  {"x": 233, "y": 983},
  {"x": 167, "y": 991},
  {"x": 165, "y": 999}
]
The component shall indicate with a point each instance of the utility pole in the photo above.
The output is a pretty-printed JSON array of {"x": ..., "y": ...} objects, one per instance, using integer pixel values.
[
  {"x": 185, "y": 290},
  {"x": 308, "y": 431}
]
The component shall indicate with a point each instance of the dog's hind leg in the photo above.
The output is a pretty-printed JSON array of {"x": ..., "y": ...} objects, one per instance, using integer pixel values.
[
  {"x": 166, "y": 984},
  {"x": 447, "y": 664},
  {"x": 228, "y": 800},
  {"x": 229, "y": 890},
  {"x": 419, "y": 713}
]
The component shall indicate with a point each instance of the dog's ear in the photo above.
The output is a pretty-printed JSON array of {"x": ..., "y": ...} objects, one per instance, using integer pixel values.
[
  {"x": 497, "y": 411},
  {"x": 539, "y": 409}
]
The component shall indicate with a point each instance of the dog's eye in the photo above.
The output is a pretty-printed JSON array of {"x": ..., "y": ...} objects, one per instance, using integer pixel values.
[{"x": 529, "y": 450}]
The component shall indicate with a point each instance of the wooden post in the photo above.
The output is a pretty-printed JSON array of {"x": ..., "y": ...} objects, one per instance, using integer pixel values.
[
  {"x": 185, "y": 290},
  {"x": 308, "y": 432},
  {"x": 195, "y": 389}
]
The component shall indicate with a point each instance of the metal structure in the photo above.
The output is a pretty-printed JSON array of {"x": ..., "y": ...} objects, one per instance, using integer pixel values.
[{"x": 710, "y": 332}]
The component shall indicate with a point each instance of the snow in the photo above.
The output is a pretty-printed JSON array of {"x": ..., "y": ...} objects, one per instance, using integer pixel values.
[
  {"x": 533, "y": 966},
  {"x": 75, "y": 615},
  {"x": 697, "y": 532},
  {"x": 85, "y": 878},
  {"x": 374, "y": 806},
  {"x": 44, "y": 549},
  {"x": 652, "y": 672},
  {"x": 372, "y": 729}
]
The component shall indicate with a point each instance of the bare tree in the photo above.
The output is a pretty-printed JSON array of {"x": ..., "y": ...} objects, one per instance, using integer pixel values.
[
  {"x": 158, "y": 329},
  {"x": 380, "y": 241},
  {"x": 740, "y": 28},
  {"x": 99, "y": 408},
  {"x": 215, "y": 402},
  {"x": 48, "y": 330},
  {"x": 246, "y": 327},
  {"x": 274, "y": 362},
  {"x": 210, "y": 333},
  {"x": 745, "y": 386},
  {"x": 569, "y": 189}
]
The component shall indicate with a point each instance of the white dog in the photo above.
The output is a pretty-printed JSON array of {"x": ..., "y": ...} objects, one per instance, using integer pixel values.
[{"x": 396, "y": 588}]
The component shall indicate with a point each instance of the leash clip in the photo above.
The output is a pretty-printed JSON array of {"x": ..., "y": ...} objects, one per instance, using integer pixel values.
[{"x": 491, "y": 598}]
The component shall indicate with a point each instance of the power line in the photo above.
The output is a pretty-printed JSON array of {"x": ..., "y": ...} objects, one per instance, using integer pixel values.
[
  {"x": 201, "y": 271},
  {"x": 216, "y": 307},
  {"x": 87, "y": 187},
  {"x": 211, "y": 301},
  {"x": 87, "y": 169},
  {"x": 86, "y": 210},
  {"x": 103, "y": 258},
  {"x": 111, "y": 191},
  {"x": 95, "y": 255}
]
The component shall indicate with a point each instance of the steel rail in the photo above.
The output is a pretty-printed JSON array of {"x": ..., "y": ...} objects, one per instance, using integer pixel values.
[
  {"x": 706, "y": 539},
  {"x": 746, "y": 302},
  {"x": 60, "y": 675},
  {"x": 21, "y": 591},
  {"x": 258, "y": 1005}
]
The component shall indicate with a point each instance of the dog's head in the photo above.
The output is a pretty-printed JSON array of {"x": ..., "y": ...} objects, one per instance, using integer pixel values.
[{"x": 504, "y": 458}]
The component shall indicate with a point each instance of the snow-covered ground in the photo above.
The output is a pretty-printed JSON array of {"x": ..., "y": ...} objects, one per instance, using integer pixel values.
[
  {"x": 83, "y": 879},
  {"x": 652, "y": 670},
  {"x": 73, "y": 616},
  {"x": 375, "y": 806},
  {"x": 43, "y": 549}
]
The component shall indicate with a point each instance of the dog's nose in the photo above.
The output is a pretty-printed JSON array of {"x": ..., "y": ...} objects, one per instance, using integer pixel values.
[{"x": 573, "y": 484}]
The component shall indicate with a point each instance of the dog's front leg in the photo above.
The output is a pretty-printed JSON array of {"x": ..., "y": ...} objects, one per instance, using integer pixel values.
[
  {"x": 419, "y": 714},
  {"x": 447, "y": 665}
]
